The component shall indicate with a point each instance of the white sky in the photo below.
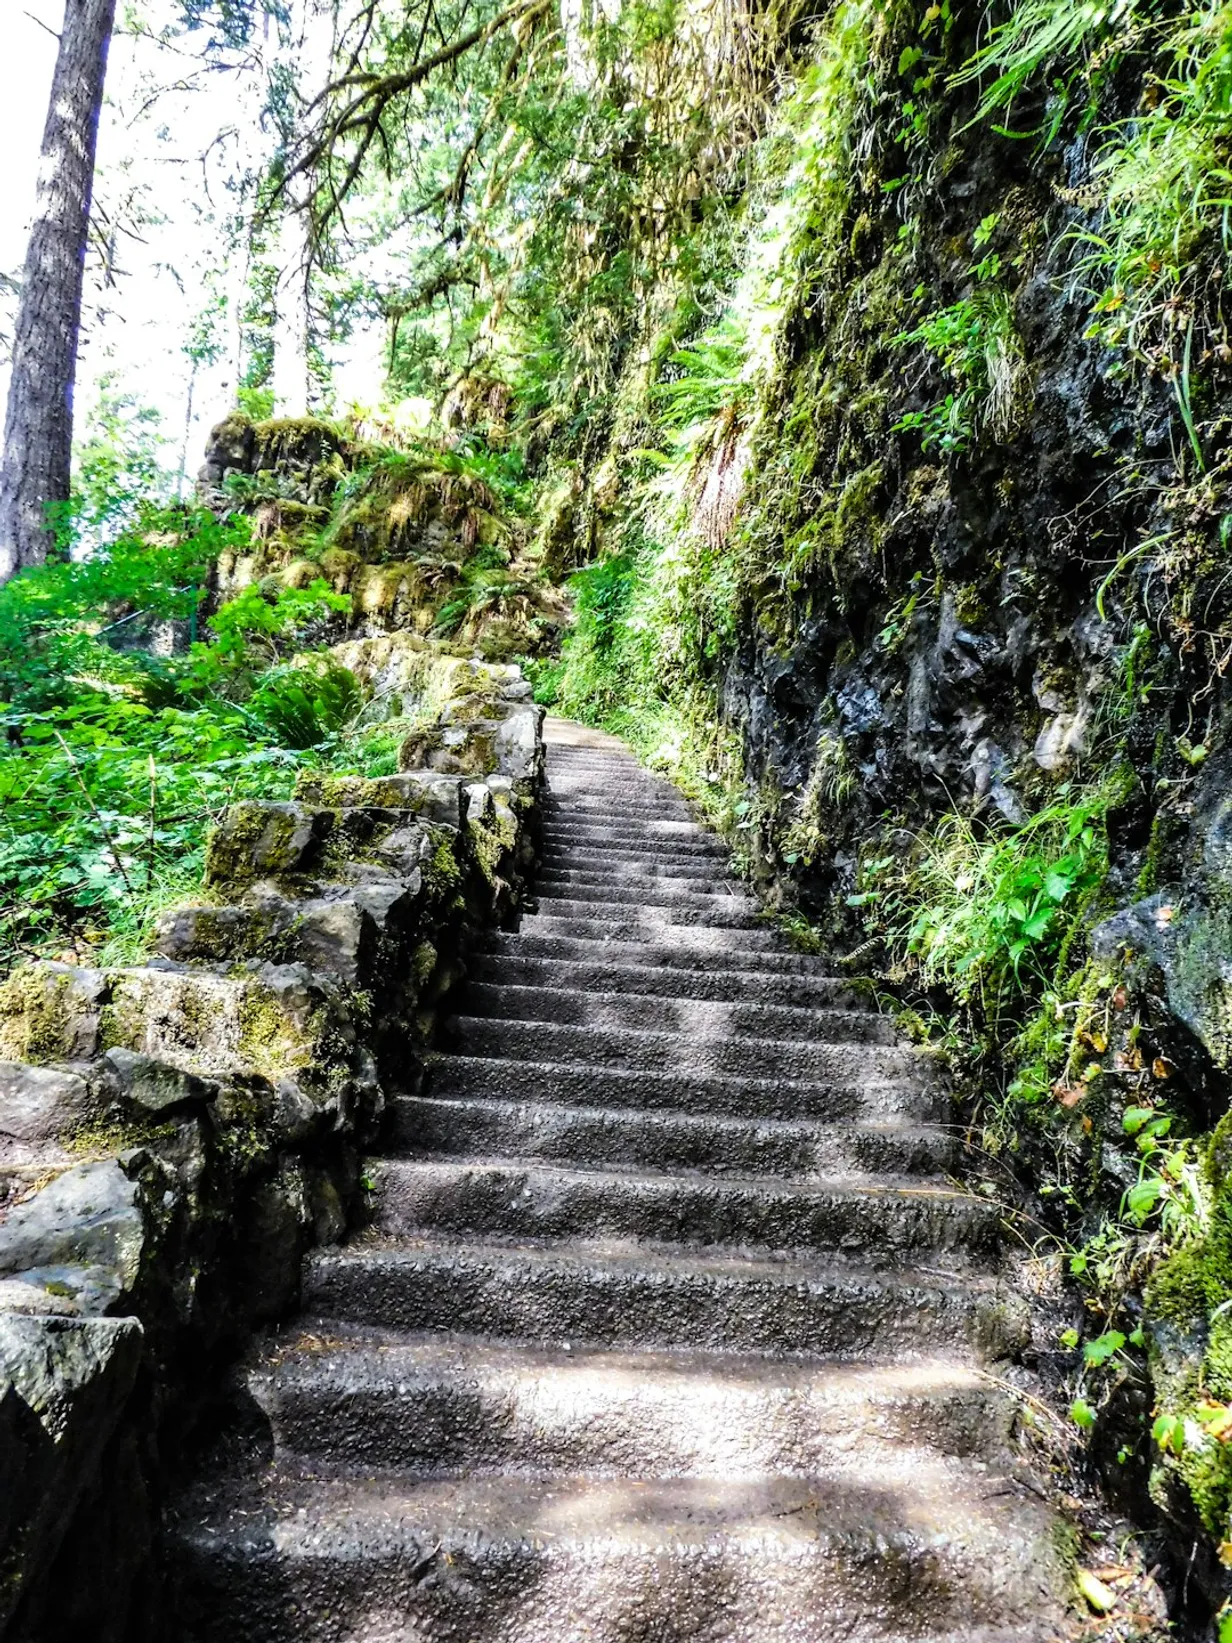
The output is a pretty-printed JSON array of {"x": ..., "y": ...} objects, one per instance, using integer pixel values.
[{"x": 136, "y": 327}]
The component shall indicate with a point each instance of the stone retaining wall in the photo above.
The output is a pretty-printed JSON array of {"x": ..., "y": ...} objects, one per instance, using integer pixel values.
[{"x": 175, "y": 1135}]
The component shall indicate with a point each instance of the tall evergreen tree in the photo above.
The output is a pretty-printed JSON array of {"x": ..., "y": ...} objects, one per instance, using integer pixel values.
[{"x": 38, "y": 428}]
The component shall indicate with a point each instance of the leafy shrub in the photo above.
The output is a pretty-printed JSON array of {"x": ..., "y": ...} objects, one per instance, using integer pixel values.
[
  {"x": 303, "y": 704},
  {"x": 104, "y": 807},
  {"x": 986, "y": 912},
  {"x": 976, "y": 345},
  {"x": 114, "y": 763},
  {"x": 1041, "y": 36},
  {"x": 53, "y": 616}
]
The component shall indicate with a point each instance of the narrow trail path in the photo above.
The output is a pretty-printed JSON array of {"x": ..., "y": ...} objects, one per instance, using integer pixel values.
[{"x": 667, "y": 1329}]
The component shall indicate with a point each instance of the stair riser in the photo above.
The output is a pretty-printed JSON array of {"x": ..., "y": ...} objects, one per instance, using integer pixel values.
[
  {"x": 589, "y": 1086},
  {"x": 657, "y": 1052},
  {"x": 669, "y": 1141},
  {"x": 531, "y": 942},
  {"x": 699, "y": 897},
  {"x": 528, "y": 1203},
  {"x": 712, "y": 914},
  {"x": 707, "y": 865},
  {"x": 701, "y": 882},
  {"x": 703, "y": 1018},
  {"x": 629, "y": 801},
  {"x": 404, "y": 1585},
  {"x": 698, "y": 852},
  {"x": 465, "y": 1291},
  {"x": 372, "y": 1417},
  {"x": 798, "y": 991},
  {"x": 725, "y": 939},
  {"x": 614, "y": 830}
]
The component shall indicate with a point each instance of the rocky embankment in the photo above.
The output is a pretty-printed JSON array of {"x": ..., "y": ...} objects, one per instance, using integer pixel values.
[{"x": 174, "y": 1135}]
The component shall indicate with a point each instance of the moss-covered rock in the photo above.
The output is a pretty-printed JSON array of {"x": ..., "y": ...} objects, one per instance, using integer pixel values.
[
  {"x": 434, "y": 797},
  {"x": 259, "y": 839},
  {"x": 51, "y": 1012}
]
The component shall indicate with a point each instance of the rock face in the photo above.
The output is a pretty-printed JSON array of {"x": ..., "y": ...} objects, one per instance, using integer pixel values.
[
  {"x": 64, "y": 1387},
  {"x": 667, "y": 1323},
  {"x": 174, "y": 1136},
  {"x": 399, "y": 533}
]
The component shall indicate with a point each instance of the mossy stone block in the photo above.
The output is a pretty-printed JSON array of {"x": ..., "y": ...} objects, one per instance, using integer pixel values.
[
  {"x": 50, "y": 1012},
  {"x": 257, "y": 839}
]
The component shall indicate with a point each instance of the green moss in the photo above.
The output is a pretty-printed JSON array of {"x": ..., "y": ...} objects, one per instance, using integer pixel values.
[
  {"x": 33, "y": 1015},
  {"x": 270, "y": 1042},
  {"x": 423, "y": 963},
  {"x": 254, "y": 839},
  {"x": 489, "y": 851},
  {"x": 442, "y": 874}
]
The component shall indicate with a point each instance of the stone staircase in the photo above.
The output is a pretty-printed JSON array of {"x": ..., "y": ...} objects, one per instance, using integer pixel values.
[{"x": 668, "y": 1328}]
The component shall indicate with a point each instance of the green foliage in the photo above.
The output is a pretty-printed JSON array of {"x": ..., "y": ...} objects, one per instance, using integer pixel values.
[
  {"x": 115, "y": 763},
  {"x": 598, "y": 667},
  {"x": 260, "y": 625},
  {"x": 986, "y": 913},
  {"x": 304, "y": 704},
  {"x": 104, "y": 806},
  {"x": 53, "y": 617},
  {"x": 1166, "y": 179},
  {"x": 707, "y": 379},
  {"x": 1037, "y": 37},
  {"x": 975, "y": 343}
]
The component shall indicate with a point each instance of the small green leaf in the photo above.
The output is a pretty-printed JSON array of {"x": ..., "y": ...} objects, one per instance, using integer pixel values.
[
  {"x": 1103, "y": 1347},
  {"x": 1058, "y": 885},
  {"x": 1069, "y": 1339},
  {"x": 1135, "y": 1117},
  {"x": 1141, "y": 1199},
  {"x": 1169, "y": 1433},
  {"x": 1081, "y": 1413}
]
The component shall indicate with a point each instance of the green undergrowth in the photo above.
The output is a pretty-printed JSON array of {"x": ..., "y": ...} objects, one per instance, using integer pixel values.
[{"x": 115, "y": 762}]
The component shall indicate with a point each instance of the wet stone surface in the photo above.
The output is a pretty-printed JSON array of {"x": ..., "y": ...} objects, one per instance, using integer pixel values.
[{"x": 665, "y": 1322}]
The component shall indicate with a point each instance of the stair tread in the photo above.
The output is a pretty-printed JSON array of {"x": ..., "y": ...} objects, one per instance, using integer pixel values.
[
  {"x": 314, "y": 1348},
  {"x": 733, "y": 1125},
  {"x": 441, "y": 1062},
  {"x": 885, "y": 1188},
  {"x": 715, "y": 1009},
  {"x": 734, "y": 1055},
  {"x": 968, "y": 1516},
  {"x": 789, "y": 1268}
]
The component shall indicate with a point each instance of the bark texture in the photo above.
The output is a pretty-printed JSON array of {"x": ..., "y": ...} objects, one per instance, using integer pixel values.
[{"x": 38, "y": 428}]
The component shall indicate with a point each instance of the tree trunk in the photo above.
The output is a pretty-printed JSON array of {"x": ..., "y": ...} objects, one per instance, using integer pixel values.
[{"x": 38, "y": 431}]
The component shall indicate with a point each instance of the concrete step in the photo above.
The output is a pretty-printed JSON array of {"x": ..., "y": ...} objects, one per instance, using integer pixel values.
[
  {"x": 608, "y": 1294},
  {"x": 797, "y": 1059},
  {"x": 561, "y": 845},
  {"x": 669, "y": 1140},
  {"x": 697, "y": 1018},
  {"x": 431, "y": 1403},
  {"x": 567, "y": 1083},
  {"x": 508, "y": 1198},
  {"x": 631, "y": 802},
  {"x": 592, "y": 926},
  {"x": 667, "y": 981},
  {"x": 883, "y": 1554},
  {"x": 721, "y": 898},
  {"x": 773, "y": 958},
  {"x": 674, "y": 875},
  {"x": 713, "y": 912},
  {"x": 611, "y": 822},
  {"x": 612, "y": 830}
]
